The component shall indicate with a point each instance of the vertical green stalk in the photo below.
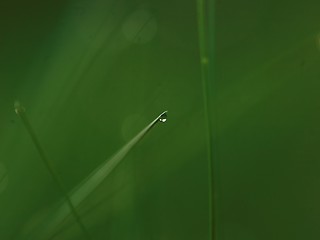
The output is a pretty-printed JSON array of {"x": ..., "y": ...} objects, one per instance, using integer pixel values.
[
  {"x": 20, "y": 111},
  {"x": 203, "y": 32}
]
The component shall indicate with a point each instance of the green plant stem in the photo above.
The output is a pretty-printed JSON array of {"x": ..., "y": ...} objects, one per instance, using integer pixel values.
[
  {"x": 20, "y": 111},
  {"x": 204, "y": 60}
]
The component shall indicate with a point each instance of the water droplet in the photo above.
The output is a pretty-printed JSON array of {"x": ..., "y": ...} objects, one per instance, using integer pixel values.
[
  {"x": 18, "y": 108},
  {"x": 163, "y": 117}
]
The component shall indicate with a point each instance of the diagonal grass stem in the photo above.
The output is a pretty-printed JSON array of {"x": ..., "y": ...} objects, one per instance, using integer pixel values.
[{"x": 20, "y": 111}]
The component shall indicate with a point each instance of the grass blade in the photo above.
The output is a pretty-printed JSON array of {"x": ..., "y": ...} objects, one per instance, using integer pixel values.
[
  {"x": 203, "y": 18},
  {"x": 83, "y": 190},
  {"x": 99, "y": 174}
]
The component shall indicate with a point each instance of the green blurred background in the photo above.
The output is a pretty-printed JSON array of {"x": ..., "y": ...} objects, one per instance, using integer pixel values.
[
  {"x": 267, "y": 80},
  {"x": 92, "y": 74}
]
